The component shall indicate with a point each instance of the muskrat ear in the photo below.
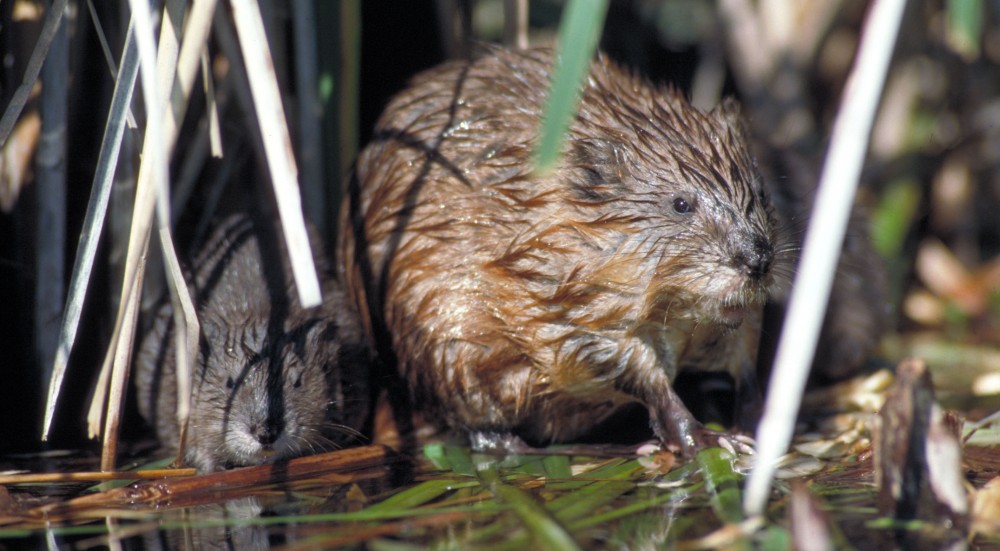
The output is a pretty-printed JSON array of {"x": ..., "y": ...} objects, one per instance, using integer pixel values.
[
  {"x": 729, "y": 114},
  {"x": 604, "y": 163}
]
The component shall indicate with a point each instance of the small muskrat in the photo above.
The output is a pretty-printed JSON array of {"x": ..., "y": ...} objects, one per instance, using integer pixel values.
[
  {"x": 536, "y": 305},
  {"x": 273, "y": 380}
]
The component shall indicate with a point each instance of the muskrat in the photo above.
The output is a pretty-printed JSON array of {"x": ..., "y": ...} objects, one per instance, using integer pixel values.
[
  {"x": 535, "y": 305},
  {"x": 273, "y": 380}
]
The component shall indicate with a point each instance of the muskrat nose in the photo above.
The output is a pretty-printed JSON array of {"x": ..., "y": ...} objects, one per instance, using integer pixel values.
[
  {"x": 755, "y": 260},
  {"x": 266, "y": 433}
]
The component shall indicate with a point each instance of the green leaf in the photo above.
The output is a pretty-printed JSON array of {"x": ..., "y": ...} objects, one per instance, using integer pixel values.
[
  {"x": 621, "y": 468},
  {"x": 605, "y": 484},
  {"x": 722, "y": 483},
  {"x": 965, "y": 27},
  {"x": 460, "y": 460},
  {"x": 774, "y": 538},
  {"x": 589, "y": 499},
  {"x": 894, "y": 216},
  {"x": 412, "y": 497},
  {"x": 435, "y": 453},
  {"x": 557, "y": 466},
  {"x": 637, "y": 504},
  {"x": 544, "y": 528},
  {"x": 578, "y": 33}
]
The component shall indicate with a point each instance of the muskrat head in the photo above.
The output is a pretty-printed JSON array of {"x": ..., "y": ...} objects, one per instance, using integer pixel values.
[
  {"x": 260, "y": 397},
  {"x": 698, "y": 215}
]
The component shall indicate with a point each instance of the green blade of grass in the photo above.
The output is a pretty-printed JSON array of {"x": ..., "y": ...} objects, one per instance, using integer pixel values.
[
  {"x": 589, "y": 499},
  {"x": 544, "y": 528},
  {"x": 435, "y": 453},
  {"x": 774, "y": 538},
  {"x": 418, "y": 495},
  {"x": 722, "y": 483},
  {"x": 557, "y": 466},
  {"x": 894, "y": 217},
  {"x": 965, "y": 26},
  {"x": 578, "y": 33},
  {"x": 619, "y": 469},
  {"x": 523, "y": 465},
  {"x": 637, "y": 505},
  {"x": 385, "y": 544},
  {"x": 460, "y": 460}
]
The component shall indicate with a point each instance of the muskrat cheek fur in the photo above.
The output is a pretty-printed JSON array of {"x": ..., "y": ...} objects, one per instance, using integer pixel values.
[
  {"x": 273, "y": 380},
  {"x": 539, "y": 304}
]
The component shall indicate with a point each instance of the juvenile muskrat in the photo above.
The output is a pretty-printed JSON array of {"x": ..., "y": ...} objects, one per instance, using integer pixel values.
[
  {"x": 273, "y": 380},
  {"x": 536, "y": 305}
]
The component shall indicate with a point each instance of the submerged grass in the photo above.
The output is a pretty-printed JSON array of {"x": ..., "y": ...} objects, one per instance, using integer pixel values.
[{"x": 453, "y": 498}]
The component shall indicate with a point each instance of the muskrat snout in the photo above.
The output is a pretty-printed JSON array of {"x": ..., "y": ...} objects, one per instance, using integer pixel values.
[
  {"x": 755, "y": 257},
  {"x": 274, "y": 380},
  {"x": 267, "y": 433}
]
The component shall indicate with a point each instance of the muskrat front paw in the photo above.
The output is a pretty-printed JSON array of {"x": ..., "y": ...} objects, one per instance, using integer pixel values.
[
  {"x": 498, "y": 442},
  {"x": 735, "y": 443},
  {"x": 674, "y": 425}
]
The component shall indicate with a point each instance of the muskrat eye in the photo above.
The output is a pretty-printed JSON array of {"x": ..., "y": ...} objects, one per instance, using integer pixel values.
[
  {"x": 682, "y": 206},
  {"x": 230, "y": 383}
]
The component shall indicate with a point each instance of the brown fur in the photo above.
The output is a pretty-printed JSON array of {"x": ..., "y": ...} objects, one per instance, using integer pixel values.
[{"x": 539, "y": 304}]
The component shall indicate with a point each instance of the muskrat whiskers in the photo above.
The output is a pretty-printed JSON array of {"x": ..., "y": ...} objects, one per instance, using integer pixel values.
[{"x": 344, "y": 429}]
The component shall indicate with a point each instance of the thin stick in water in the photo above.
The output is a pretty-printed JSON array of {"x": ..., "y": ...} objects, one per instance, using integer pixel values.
[{"x": 824, "y": 237}]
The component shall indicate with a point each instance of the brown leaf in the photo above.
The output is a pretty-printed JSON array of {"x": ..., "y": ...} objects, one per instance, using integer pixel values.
[{"x": 16, "y": 159}]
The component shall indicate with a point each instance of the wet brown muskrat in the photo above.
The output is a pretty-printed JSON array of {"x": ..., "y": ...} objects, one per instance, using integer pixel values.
[
  {"x": 517, "y": 303},
  {"x": 273, "y": 380}
]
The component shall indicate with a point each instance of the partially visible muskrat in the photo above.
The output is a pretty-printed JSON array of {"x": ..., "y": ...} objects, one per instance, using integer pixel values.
[
  {"x": 273, "y": 380},
  {"x": 536, "y": 305}
]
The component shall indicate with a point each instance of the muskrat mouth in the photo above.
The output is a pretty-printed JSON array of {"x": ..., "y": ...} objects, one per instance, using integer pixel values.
[
  {"x": 267, "y": 453},
  {"x": 732, "y": 315}
]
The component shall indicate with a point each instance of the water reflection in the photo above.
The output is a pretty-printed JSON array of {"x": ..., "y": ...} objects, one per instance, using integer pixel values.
[{"x": 235, "y": 524}]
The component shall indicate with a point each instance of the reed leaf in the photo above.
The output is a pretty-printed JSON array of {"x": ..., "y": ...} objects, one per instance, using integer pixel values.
[
  {"x": 277, "y": 146},
  {"x": 578, "y": 33},
  {"x": 545, "y": 530},
  {"x": 822, "y": 245},
  {"x": 722, "y": 483},
  {"x": 93, "y": 222}
]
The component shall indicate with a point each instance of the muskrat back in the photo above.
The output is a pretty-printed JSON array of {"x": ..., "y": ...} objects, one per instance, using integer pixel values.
[
  {"x": 537, "y": 304},
  {"x": 273, "y": 380}
]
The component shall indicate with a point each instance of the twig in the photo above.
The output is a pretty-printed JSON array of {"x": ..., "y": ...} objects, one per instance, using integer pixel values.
[
  {"x": 187, "y": 340},
  {"x": 824, "y": 237},
  {"x": 103, "y": 40},
  {"x": 93, "y": 222},
  {"x": 349, "y": 68},
  {"x": 164, "y": 141},
  {"x": 152, "y": 184},
  {"x": 277, "y": 146},
  {"x": 515, "y": 23},
  {"x": 50, "y": 162},
  {"x": 314, "y": 187},
  {"x": 211, "y": 103},
  {"x": 52, "y": 19},
  {"x": 97, "y": 476}
]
